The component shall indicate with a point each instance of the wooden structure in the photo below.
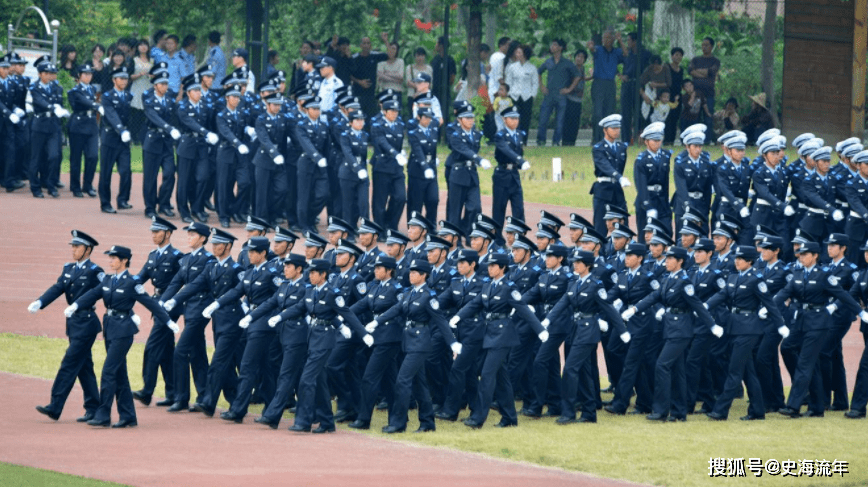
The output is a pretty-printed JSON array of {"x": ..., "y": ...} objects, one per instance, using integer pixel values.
[{"x": 824, "y": 68}]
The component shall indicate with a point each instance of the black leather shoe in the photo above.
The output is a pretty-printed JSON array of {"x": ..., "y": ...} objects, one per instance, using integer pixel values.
[
  {"x": 360, "y": 425},
  {"x": 15, "y": 185},
  {"x": 84, "y": 419},
  {"x": 655, "y": 417},
  {"x": 504, "y": 424},
  {"x": 346, "y": 417},
  {"x": 838, "y": 408},
  {"x": 551, "y": 414},
  {"x": 752, "y": 418},
  {"x": 299, "y": 429},
  {"x": 167, "y": 212},
  {"x": 108, "y": 209},
  {"x": 813, "y": 414},
  {"x": 224, "y": 222},
  {"x": 789, "y": 412},
  {"x": 263, "y": 420},
  {"x": 853, "y": 414},
  {"x": 638, "y": 411},
  {"x": 187, "y": 219},
  {"x": 238, "y": 218},
  {"x": 201, "y": 216},
  {"x": 54, "y": 193},
  {"x": 127, "y": 423},
  {"x": 393, "y": 429},
  {"x": 583, "y": 419},
  {"x": 472, "y": 424},
  {"x": 715, "y": 416},
  {"x": 320, "y": 430},
  {"x": 125, "y": 206},
  {"x": 530, "y": 413},
  {"x": 292, "y": 409},
  {"x": 230, "y": 416},
  {"x": 165, "y": 402},
  {"x": 611, "y": 409},
  {"x": 201, "y": 408},
  {"x": 150, "y": 214},
  {"x": 51, "y": 414},
  {"x": 94, "y": 422},
  {"x": 178, "y": 407},
  {"x": 674, "y": 419},
  {"x": 564, "y": 420},
  {"x": 425, "y": 430},
  {"x": 91, "y": 193},
  {"x": 209, "y": 206},
  {"x": 78, "y": 194},
  {"x": 142, "y": 397},
  {"x": 445, "y": 417}
]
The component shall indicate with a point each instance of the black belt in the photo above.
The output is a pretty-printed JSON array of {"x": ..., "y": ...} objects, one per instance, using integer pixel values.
[
  {"x": 582, "y": 316},
  {"x": 743, "y": 311},
  {"x": 85, "y": 310},
  {"x": 677, "y": 310},
  {"x": 193, "y": 134},
  {"x": 416, "y": 324},
  {"x": 470, "y": 164},
  {"x": 496, "y": 316},
  {"x": 320, "y": 322},
  {"x": 117, "y": 313},
  {"x": 509, "y": 166},
  {"x": 811, "y": 307}
]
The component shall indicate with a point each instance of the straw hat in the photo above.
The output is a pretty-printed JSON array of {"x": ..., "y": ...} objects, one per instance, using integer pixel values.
[{"x": 759, "y": 99}]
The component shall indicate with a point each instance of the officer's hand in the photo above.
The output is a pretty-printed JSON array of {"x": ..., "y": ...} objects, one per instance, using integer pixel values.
[
  {"x": 628, "y": 313},
  {"x": 207, "y": 312},
  {"x": 101, "y": 110},
  {"x": 370, "y": 327},
  {"x": 618, "y": 304},
  {"x": 272, "y": 322},
  {"x": 173, "y": 326},
  {"x": 717, "y": 331},
  {"x": 625, "y": 337},
  {"x": 485, "y": 163},
  {"x": 363, "y": 173},
  {"x": 456, "y": 348},
  {"x": 659, "y": 315},
  {"x": 245, "y": 322},
  {"x": 125, "y": 136},
  {"x": 543, "y": 336},
  {"x": 70, "y": 310},
  {"x": 322, "y": 162},
  {"x": 243, "y": 150},
  {"x": 59, "y": 111},
  {"x": 531, "y": 308},
  {"x": 624, "y": 182},
  {"x": 789, "y": 211},
  {"x": 368, "y": 339},
  {"x": 837, "y": 215},
  {"x": 784, "y": 331},
  {"x": 212, "y": 138},
  {"x": 14, "y": 118},
  {"x": 250, "y": 131},
  {"x": 453, "y": 322},
  {"x": 651, "y": 213},
  {"x": 763, "y": 313},
  {"x": 401, "y": 158},
  {"x": 436, "y": 161},
  {"x": 278, "y": 159},
  {"x": 175, "y": 134},
  {"x": 20, "y": 112},
  {"x": 169, "y": 305},
  {"x": 831, "y": 308},
  {"x": 345, "y": 331},
  {"x": 545, "y": 323},
  {"x": 525, "y": 166},
  {"x": 136, "y": 320},
  {"x": 604, "y": 325},
  {"x": 863, "y": 316},
  {"x": 744, "y": 212},
  {"x": 35, "y": 306},
  {"x": 28, "y": 108},
  {"x": 429, "y": 174}
]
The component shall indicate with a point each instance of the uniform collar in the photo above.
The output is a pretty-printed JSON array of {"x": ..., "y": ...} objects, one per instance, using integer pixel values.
[
  {"x": 83, "y": 263},
  {"x": 223, "y": 261}
]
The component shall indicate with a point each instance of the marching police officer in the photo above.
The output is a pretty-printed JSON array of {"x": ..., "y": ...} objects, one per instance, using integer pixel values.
[
  {"x": 366, "y": 238},
  {"x": 733, "y": 182},
  {"x": 83, "y": 132},
  {"x": 770, "y": 184},
  {"x": 312, "y": 132},
  {"x": 194, "y": 115},
  {"x": 47, "y": 98},
  {"x": 859, "y": 291},
  {"x": 505, "y": 181},
  {"x": 819, "y": 192},
  {"x": 353, "y": 172},
  {"x": 271, "y": 182},
  {"x": 610, "y": 158},
  {"x": 422, "y": 189},
  {"x": 232, "y": 153},
  {"x": 158, "y": 152},
  {"x": 115, "y": 142},
  {"x": 694, "y": 178},
  {"x": 464, "y": 141},
  {"x": 12, "y": 116},
  {"x": 651, "y": 174},
  {"x": 389, "y": 193}
]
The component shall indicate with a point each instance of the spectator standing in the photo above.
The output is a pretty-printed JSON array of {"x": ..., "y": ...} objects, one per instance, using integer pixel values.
[
  {"x": 497, "y": 63},
  {"x": 216, "y": 58},
  {"x": 523, "y": 81},
  {"x": 694, "y": 108},
  {"x": 633, "y": 62},
  {"x": 703, "y": 69},
  {"x": 339, "y": 50},
  {"x": 298, "y": 72},
  {"x": 68, "y": 61},
  {"x": 563, "y": 77},
  {"x": 420, "y": 56},
  {"x": 175, "y": 64},
  {"x": 364, "y": 75},
  {"x": 676, "y": 76},
  {"x": 441, "y": 64},
  {"x": 140, "y": 83},
  {"x": 118, "y": 60},
  {"x": 390, "y": 73},
  {"x": 96, "y": 61},
  {"x": 758, "y": 120},
  {"x": 188, "y": 55},
  {"x": 158, "y": 50},
  {"x": 271, "y": 67},
  {"x": 574, "y": 100},
  {"x": 606, "y": 60},
  {"x": 239, "y": 60},
  {"x": 654, "y": 79}
]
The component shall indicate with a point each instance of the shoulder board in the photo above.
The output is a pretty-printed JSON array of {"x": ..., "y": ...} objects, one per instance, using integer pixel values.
[
  {"x": 236, "y": 265},
  {"x": 759, "y": 276},
  {"x": 208, "y": 254},
  {"x": 307, "y": 285},
  {"x": 397, "y": 285},
  {"x": 853, "y": 266},
  {"x": 431, "y": 291},
  {"x": 136, "y": 278},
  {"x": 451, "y": 272},
  {"x": 336, "y": 290},
  {"x": 684, "y": 277},
  {"x": 536, "y": 268},
  {"x": 68, "y": 264},
  {"x": 717, "y": 271},
  {"x": 510, "y": 283},
  {"x": 486, "y": 279},
  {"x": 825, "y": 269},
  {"x": 649, "y": 274},
  {"x": 272, "y": 269}
]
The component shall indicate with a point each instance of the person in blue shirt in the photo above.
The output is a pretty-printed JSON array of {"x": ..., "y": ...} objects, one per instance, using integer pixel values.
[
  {"x": 606, "y": 60},
  {"x": 216, "y": 58}
]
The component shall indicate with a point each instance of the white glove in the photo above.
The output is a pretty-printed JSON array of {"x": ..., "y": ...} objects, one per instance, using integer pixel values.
[
  {"x": 169, "y": 305},
  {"x": 368, "y": 339},
  {"x": 604, "y": 325},
  {"x": 624, "y": 182},
  {"x": 401, "y": 158},
  {"x": 28, "y": 107},
  {"x": 272, "y": 322},
  {"x": 864, "y": 316},
  {"x": 618, "y": 304},
  {"x": 70, "y": 310},
  {"x": 278, "y": 159},
  {"x": 545, "y": 323},
  {"x": 175, "y": 134},
  {"x": 625, "y": 337},
  {"x": 245, "y": 322},
  {"x": 136, "y": 320},
  {"x": 322, "y": 162},
  {"x": 543, "y": 336},
  {"x": 831, "y": 308},
  {"x": 628, "y": 313},
  {"x": 173, "y": 326},
  {"x": 244, "y": 307},
  {"x": 125, "y": 136},
  {"x": 250, "y": 131},
  {"x": 345, "y": 331},
  {"x": 717, "y": 331},
  {"x": 789, "y": 211},
  {"x": 207, "y": 312},
  {"x": 35, "y": 306},
  {"x": 651, "y": 213},
  {"x": 363, "y": 173},
  {"x": 837, "y": 215},
  {"x": 370, "y": 327},
  {"x": 436, "y": 161},
  {"x": 101, "y": 110},
  {"x": 20, "y": 112},
  {"x": 525, "y": 166},
  {"x": 744, "y": 212},
  {"x": 784, "y": 331},
  {"x": 531, "y": 308},
  {"x": 485, "y": 163},
  {"x": 453, "y": 323},
  {"x": 659, "y": 315},
  {"x": 763, "y": 313},
  {"x": 456, "y": 348},
  {"x": 14, "y": 118},
  {"x": 212, "y": 138},
  {"x": 243, "y": 150},
  {"x": 59, "y": 111},
  {"x": 429, "y": 174}
]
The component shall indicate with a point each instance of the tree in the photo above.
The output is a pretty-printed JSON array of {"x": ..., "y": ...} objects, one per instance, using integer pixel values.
[{"x": 768, "y": 60}]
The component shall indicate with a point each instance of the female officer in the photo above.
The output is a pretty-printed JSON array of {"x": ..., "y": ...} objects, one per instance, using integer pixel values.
[{"x": 119, "y": 292}]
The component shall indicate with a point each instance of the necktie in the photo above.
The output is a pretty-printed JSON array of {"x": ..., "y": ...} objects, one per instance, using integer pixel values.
[
  {"x": 630, "y": 277},
  {"x": 114, "y": 280},
  {"x": 465, "y": 284},
  {"x": 470, "y": 136}
]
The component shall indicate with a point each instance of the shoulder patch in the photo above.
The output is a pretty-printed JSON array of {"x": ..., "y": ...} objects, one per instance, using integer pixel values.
[
  {"x": 655, "y": 285},
  {"x": 362, "y": 287},
  {"x": 602, "y": 293},
  {"x": 434, "y": 304},
  {"x": 614, "y": 279},
  {"x": 721, "y": 283},
  {"x": 140, "y": 289},
  {"x": 833, "y": 280},
  {"x": 763, "y": 288},
  {"x": 789, "y": 277},
  {"x": 515, "y": 295},
  {"x": 688, "y": 289},
  {"x": 339, "y": 300}
]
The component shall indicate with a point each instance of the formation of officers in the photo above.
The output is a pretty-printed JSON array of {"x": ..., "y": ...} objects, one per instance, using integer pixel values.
[{"x": 241, "y": 154}]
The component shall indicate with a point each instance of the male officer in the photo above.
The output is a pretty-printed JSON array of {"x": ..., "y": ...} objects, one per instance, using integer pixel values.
[
  {"x": 158, "y": 152},
  {"x": 733, "y": 182},
  {"x": 770, "y": 183},
  {"x": 353, "y": 169},
  {"x": 45, "y": 131},
  {"x": 193, "y": 116},
  {"x": 389, "y": 192},
  {"x": 464, "y": 140},
  {"x": 232, "y": 153},
  {"x": 22, "y": 129},
  {"x": 610, "y": 158},
  {"x": 256, "y": 227},
  {"x": 651, "y": 174},
  {"x": 82, "y": 327},
  {"x": 271, "y": 182},
  {"x": 366, "y": 239},
  {"x": 83, "y": 133},
  {"x": 859, "y": 291},
  {"x": 819, "y": 192},
  {"x": 856, "y": 190},
  {"x": 312, "y": 132},
  {"x": 509, "y": 155},
  {"x": 452, "y": 234},
  {"x": 115, "y": 142},
  {"x": 422, "y": 189},
  {"x": 12, "y": 116},
  {"x": 329, "y": 82},
  {"x": 162, "y": 265},
  {"x": 694, "y": 178}
]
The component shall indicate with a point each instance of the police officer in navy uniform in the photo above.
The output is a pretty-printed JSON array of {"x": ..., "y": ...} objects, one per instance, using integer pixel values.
[
  {"x": 439, "y": 361},
  {"x": 733, "y": 182},
  {"x": 339, "y": 125},
  {"x": 651, "y": 175},
  {"x": 389, "y": 192},
  {"x": 256, "y": 227},
  {"x": 45, "y": 130},
  {"x": 422, "y": 188},
  {"x": 452, "y": 234},
  {"x": 464, "y": 141},
  {"x": 505, "y": 181},
  {"x": 859, "y": 291},
  {"x": 119, "y": 292},
  {"x": 353, "y": 169},
  {"x": 115, "y": 142},
  {"x": 82, "y": 327},
  {"x": 20, "y": 86},
  {"x": 770, "y": 183},
  {"x": 385, "y": 341},
  {"x": 610, "y": 159},
  {"x": 312, "y": 133},
  {"x": 232, "y": 152},
  {"x": 10, "y": 117},
  {"x": 162, "y": 265},
  {"x": 194, "y": 115},
  {"x": 83, "y": 132},
  {"x": 366, "y": 238},
  {"x": 495, "y": 302},
  {"x": 524, "y": 274},
  {"x": 856, "y": 190},
  {"x": 158, "y": 152},
  {"x": 694, "y": 178},
  {"x": 271, "y": 180},
  {"x": 819, "y": 192},
  {"x": 831, "y": 356}
]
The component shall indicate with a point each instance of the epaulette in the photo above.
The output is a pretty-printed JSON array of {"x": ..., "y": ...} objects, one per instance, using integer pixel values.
[
  {"x": 397, "y": 285},
  {"x": 536, "y": 268},
  {"x": 135, "y": 277},
  {"x": 759, "y": 276},
  {"x": 825, "y": 269},
  {"x": 853, "y": 266},
  {"x": 452, "y": 272},
  {"x": 486, "y": 279},
  {"x": 235, "y": 265},
  {"x": 272, "y": 269},
  {"x": 94, "y": 266},
  {"x": 307, "y": 285},
  {"x": 717, "y": 271}
]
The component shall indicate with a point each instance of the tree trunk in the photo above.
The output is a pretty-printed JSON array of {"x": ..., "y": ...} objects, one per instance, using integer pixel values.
[
  {"x": 396, "y": 32},
  {"x": 675, "y": 22},
  {"x": 768, "y": 57},
  {"x": 491, "y": 29},
  {"x": 474, "y": 39}
]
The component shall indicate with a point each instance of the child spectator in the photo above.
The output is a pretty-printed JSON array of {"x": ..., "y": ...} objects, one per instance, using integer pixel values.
[
  {"x": 502, "y": 101},
  {"x": 662, "y": 106}
]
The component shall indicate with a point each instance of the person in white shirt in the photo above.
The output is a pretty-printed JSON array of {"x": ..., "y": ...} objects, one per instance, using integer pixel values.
[
  {"x": 329, "y": 84},
  {"x": 497, "y": 61},
  {"x": 521, "y": 76}
]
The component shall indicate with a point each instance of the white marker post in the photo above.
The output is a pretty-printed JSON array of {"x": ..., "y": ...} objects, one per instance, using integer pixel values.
[{"x": 556, "y": 169}]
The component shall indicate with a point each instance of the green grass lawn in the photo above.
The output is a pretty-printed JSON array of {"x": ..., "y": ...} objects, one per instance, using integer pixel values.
[
  {"x": 623, "y": 447},
  {"x": 16, "y": 475}
]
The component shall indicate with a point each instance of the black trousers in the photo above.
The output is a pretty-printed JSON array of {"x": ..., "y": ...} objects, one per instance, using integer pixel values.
[
  {"x": 252, "y": 362},
  {"x": 696, "y": 363},
  {"x": 271, "y": 188},
  {"x": 572, "y": 119},
  {"x": 832, "y": 366},
  {"x": 808, "y": 381},
  {"x": 190, "y": 353},
  {"x": 520, "y": 360},
  {"x": 344, "y": 374},
  {"x": 152, "y": 164},
  {"x": 244, "y": 181},
  {"x": 669, "y": 384},
  {"x": 354, "y": 196},
  {"x": 388, "y": 199},
  {"x": 506, "y": 189},
  {"x": 768, "y": 370},
  {"x": 314, "y": 404},
  {"x": 860, "y": 390},
  {"x": 494, "y": 384},
  {"x": 741, "y": 367},
  {"x": 380, "y": 363},
  {"x": 411, "y": 382},
  {"x": 632, "y": 376},
  {"x": 158, "y": 355},
  {"x": 577, "y": 383},
  {"x": 221, "y": 371},
  {"x": 546, "y": 376},
  {"x": 290, "y": 371},
  {"x": 463, "y": 198},
  {"x": 464, "y": 379},
  {"x": 108, "y": 158},
  {"x": 115, "y": 382},
  {"x": 525, "y": 112},
  {"x": 313, "y": 188},
  {"x": 44, "y": 160},
  {"x": 77, "y": 363},
  {"x": 437, "y": 367},
  {"x": 225, "y": 189},
  {"x": 86, "y": 146},
  {"x": 422, "y": 194}
]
